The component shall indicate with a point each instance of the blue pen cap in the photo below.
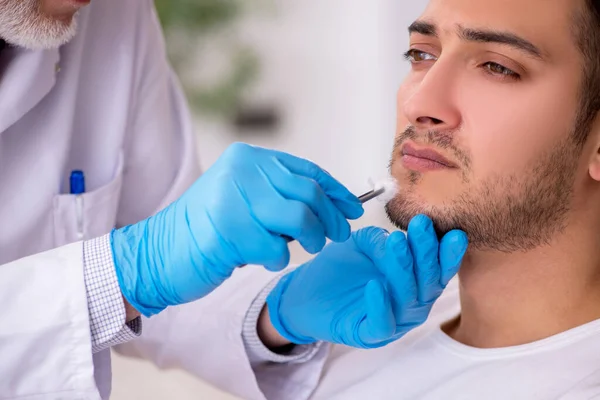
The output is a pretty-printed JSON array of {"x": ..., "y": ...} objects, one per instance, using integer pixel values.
[{"x": 77, "y": 182}]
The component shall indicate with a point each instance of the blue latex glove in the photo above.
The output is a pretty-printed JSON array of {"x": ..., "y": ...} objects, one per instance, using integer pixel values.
[
  {"x": 370, "y": 290},
  {"x": 235, "y": 214}
]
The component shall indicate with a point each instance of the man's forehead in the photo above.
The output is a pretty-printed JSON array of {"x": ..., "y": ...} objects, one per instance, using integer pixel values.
[
  {"x": 545, "y": 23},
  {"x": 521, "y": 15}
]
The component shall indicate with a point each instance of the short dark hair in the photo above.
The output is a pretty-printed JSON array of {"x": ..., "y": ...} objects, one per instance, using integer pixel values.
[{"x": 587, "y": 25}]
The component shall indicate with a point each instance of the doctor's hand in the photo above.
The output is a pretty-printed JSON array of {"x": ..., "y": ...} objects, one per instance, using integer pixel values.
[
  {"x": 368, "y": 291},
  {"x": 236, "y": 213}
]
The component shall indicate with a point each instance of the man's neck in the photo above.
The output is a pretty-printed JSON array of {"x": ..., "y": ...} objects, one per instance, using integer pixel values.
[{"x": 512, "y": 299}]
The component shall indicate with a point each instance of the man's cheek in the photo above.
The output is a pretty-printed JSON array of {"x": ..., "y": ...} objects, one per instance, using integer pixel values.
[{"x": 494, "y": 158}]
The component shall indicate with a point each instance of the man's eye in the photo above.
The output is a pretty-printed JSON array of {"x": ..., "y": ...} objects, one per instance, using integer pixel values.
[
  {"x": 497, "y": 69},
  {"x": 417, "y": 56}
]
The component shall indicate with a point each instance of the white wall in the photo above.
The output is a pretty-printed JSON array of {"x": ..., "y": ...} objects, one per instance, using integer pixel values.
[{"x": 334, "y": 66}]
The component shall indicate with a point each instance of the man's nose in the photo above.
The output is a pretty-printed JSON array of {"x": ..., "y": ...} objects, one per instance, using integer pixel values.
[{"x": 431, "y": 105}]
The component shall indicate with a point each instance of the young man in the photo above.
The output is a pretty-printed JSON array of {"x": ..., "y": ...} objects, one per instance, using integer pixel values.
[{"x": 499, "y": 135}]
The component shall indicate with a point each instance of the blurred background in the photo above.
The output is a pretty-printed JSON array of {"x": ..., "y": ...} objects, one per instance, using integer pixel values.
[{"x": 314, "y": 78}]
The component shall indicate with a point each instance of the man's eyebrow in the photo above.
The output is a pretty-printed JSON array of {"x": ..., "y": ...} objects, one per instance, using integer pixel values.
[
  {"x": 423, "y": 28},
  {"x": 507, "y": 38},
  {"x": 481, "y": 35}
]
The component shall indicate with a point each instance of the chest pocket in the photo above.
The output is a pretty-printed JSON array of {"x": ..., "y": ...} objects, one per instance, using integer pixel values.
[{"x": 89, "y": 215}]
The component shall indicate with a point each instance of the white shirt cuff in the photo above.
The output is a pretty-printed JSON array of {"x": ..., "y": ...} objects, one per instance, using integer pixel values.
[
  {"x": 259, "y": 353},
  {"x": 105, "y": 301}
]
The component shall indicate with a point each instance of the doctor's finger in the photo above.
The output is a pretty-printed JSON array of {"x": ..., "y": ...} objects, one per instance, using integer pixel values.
[
  {"x": 371, "y": 242},
  {"x": 277, "y": 257},
  {"x": 343, "y": 199},
  {"x": 308, "y": 191},
  {"x": 424, "y": 246},
  {"x": 398, "y": 269},
  {"x": 291, "y": 218},
  {"x": 453, "y": 247},
  {"x": 379, "y": 323}
]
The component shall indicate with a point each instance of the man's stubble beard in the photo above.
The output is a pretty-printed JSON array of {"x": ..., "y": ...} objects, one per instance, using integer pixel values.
[
  {"x": 22, "y": 24},
  {"x": 506, "y": 213}
]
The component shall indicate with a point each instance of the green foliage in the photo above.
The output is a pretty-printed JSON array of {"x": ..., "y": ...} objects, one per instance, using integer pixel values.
[
  {"x": 197, "y": 15},
  {"x": 188, "y": 24},
  {"x": 224, "y": 97}
]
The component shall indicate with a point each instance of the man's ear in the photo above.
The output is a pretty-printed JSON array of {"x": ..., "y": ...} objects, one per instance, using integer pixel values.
[{"x": 595, "y": 160}]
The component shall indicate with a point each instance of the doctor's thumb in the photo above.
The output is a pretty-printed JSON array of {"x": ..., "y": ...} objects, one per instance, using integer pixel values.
[{"x": 453, "y": 248}]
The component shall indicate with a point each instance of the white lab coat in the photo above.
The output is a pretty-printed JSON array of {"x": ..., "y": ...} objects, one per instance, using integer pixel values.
[{"x": 105, "y": 103}]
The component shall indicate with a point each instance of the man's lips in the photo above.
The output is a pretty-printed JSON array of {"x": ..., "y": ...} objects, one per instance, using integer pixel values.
[{"x": 423, "y": 160}]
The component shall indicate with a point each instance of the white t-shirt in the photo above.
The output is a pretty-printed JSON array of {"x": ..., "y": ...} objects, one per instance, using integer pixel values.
[{"x": 428, "y": 364}]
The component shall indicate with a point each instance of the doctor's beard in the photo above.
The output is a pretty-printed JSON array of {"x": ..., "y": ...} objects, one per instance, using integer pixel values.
[
  {"x": 506, "y": 213},
  {"x": 23, "y": 24}
]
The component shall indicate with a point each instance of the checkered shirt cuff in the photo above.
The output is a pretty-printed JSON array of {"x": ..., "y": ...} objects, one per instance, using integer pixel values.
[
  {"x": 255, "y": 349},
  {"x": 105, "y": 301}
]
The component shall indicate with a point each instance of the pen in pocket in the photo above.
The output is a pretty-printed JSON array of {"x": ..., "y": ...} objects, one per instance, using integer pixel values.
[{"x": 77, "y": 188}]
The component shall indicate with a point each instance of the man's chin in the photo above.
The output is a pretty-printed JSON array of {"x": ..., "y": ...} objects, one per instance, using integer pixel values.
[{"x": 401, "y": 210}]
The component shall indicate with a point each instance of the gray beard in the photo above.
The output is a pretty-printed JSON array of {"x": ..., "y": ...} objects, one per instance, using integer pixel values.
[{"x": 23, "y": 25}]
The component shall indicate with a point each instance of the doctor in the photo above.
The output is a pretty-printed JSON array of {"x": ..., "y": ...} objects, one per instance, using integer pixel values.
[{"x": 106, "y": 103}]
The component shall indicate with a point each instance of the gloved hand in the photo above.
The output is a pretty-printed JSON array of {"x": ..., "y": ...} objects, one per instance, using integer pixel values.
[
  {"x": 370, "y": 290},
  {"x": 235, "y": 214}
]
